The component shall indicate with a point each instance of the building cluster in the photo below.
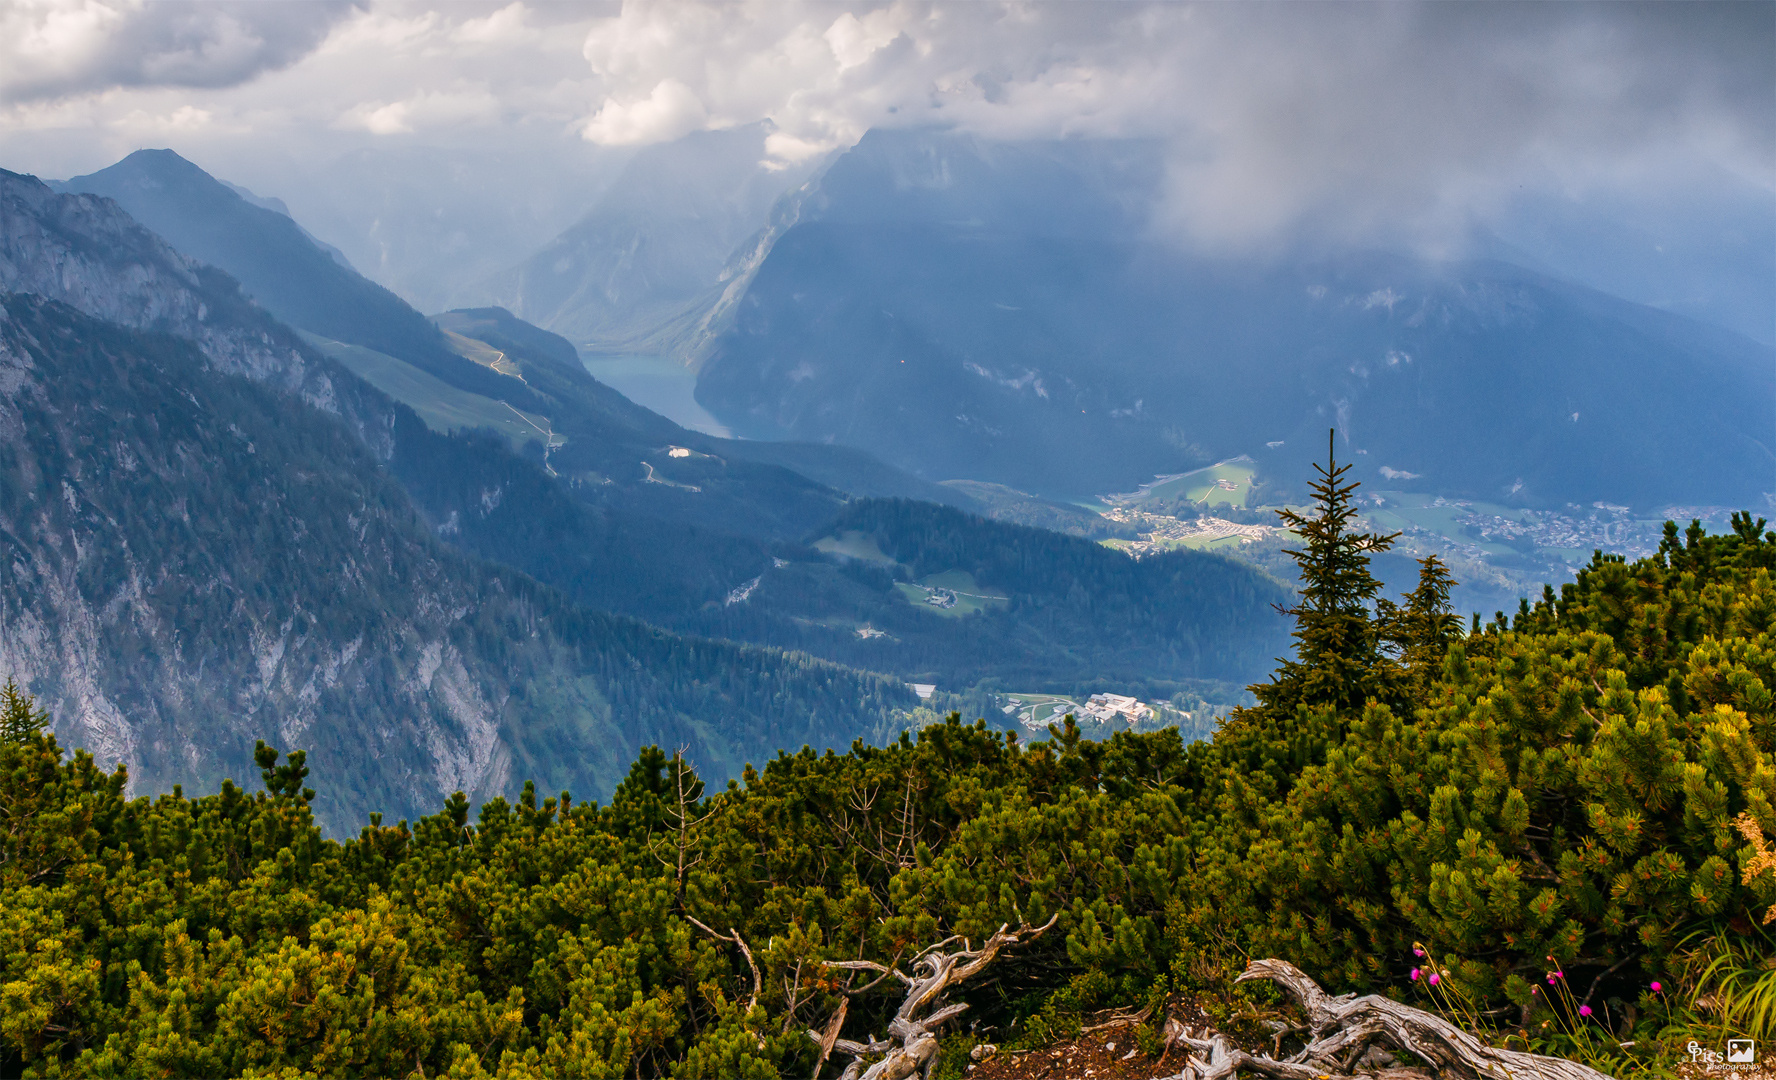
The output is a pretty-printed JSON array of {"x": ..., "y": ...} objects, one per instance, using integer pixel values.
[
  {"x": 1105, "y": 708},
  {"x": 1161, "y": 533}
]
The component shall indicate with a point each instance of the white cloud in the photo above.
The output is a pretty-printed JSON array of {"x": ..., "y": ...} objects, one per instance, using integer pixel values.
[
  {"x": 53, "y": 48},
  {"x": 669, "y": 112},
  {"x": 453, "y": 108},
  {"x": 1357, "y": 117},
  {"x": 508, "y": 26},
  {"x": 1364, "y": 121}
]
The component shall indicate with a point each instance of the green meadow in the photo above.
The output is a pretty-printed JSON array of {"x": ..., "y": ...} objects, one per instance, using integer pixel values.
[
  {"x": 970, "y": 597},
  {"x": 443, "y": 407},
  {"x": 854, "y": 545},
  {"x": 1226, "y": 484}
]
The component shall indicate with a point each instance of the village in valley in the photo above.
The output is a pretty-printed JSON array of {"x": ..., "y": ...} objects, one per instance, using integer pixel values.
[{"x": 1107, "y": 711}]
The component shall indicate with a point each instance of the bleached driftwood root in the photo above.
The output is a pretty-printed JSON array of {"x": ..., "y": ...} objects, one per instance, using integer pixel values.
[
  {"x": 911, "y": 1045},
  {"x": 1350, "y": 1032}
]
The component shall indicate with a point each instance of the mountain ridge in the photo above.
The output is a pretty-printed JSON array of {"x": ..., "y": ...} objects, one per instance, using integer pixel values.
[
  {"x": 177, "y": 333},
  {"x": 940, "y": 326}
]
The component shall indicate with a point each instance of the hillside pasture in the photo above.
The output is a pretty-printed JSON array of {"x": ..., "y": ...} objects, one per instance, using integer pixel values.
[
  {"x": 1228, "y": 483},
  {"x": 970, "y": 597},
  {"x": 443, "y": 408},
  {"x": 852, "y": 544}
]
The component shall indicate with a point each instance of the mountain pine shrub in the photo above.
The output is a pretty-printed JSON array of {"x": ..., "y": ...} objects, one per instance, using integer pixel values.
[{"x": 1568, "y": 793}]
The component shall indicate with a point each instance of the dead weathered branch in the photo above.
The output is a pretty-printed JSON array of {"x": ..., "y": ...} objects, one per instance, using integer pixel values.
[
  {"x": 911, "y": 1046},
  {"x": 1447, "y": 1048},
  {"x": 829, "y": 1038},
  {"x": 1119, "y": 1020},
  {"x": 1351, "y": 1033},
  {"x": 758, "y": 982}
]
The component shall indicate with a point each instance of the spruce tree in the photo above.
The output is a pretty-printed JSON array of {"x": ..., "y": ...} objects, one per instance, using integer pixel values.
[
  {"x": 1421, "y": 629},
  {"x": 20, "y": 719},
  {"x": 1339, "y": 660}
]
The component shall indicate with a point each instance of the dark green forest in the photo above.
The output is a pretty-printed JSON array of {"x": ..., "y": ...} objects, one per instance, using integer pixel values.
[
  {"x": 1077, "y": 613},
  {"x": 1577, "y": 798}
]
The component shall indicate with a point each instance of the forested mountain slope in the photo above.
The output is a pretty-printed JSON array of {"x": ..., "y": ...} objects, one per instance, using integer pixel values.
[
  {"x": 601, "y": 496},
  {"x": 1555, "y": 832},
  {"x": 188, "y": 486},
  {"x": 1009, "y": 312},
  {"x": 1024, "y": 607}
]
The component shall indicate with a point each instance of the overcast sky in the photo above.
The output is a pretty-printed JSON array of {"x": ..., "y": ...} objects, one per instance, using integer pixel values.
[{"x": 1355, "y": 117}]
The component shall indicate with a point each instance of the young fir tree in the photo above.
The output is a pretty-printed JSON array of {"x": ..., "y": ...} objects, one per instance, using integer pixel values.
[
  {"x": 1421, "y": 629},
  {"x": 1339, "y": 661},
  {"x": 19, "y": 716},
  {"x": 1340, "y": 658}
]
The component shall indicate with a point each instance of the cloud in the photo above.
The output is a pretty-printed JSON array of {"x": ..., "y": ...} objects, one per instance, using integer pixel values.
[
  {"x": 1354, "y": 117},
  {"x": 1335, "y": 122},
  {"x": 57, "y": 48},
  {"x": 468, "y": 105},
  {"x": 669, "y": 112}
]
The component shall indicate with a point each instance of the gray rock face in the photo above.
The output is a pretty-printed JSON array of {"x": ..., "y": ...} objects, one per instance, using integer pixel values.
[
  {"x": 87, "y": 253},
  {"x": 177, "y": 584}
]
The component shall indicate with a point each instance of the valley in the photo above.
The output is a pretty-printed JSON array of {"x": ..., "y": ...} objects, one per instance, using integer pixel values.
[{"x": 1499, "y": 553}]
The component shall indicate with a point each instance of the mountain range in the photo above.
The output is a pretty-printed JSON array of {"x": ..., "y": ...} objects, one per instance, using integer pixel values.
[
  {"x": 251, "y": 493},
  {"x": 1007, "y": 312},
  {"x": 425, "y": 547},
  {"x": 207, "y": 544}
]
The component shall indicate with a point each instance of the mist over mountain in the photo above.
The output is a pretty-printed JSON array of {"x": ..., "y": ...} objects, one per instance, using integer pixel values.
[
  {"x": 996, "y": 312},
  {"x": 431, "y": 223},
  {"x": 635, "y": 273},
  {"x": 608, "y": 448},
  {"x": 283, "y": 268},
  {"x": 1709, "y": 254}
]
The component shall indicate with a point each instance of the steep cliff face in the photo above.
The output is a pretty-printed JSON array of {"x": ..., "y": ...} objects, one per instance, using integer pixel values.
[
  {"x": 200, "y": 550},
  {"x": 84, "y": 251},
  {"x": 196, "y": 562}
]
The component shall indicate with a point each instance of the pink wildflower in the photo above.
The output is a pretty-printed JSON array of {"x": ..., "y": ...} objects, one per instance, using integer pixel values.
[
  {"x": 1584, "y": 1010},
  {"x": 1414, "y": 975},
  {"x": 1435, "y": 978},
  {"x": 1656, "y": 986}
]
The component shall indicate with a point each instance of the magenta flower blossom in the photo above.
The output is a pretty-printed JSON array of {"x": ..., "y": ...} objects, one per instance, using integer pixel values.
[
  {"x": 1656, "y": 986},
  {"x": 1435, "y": 978},
  {"x": 1584, "y": 1010},
  {"x": 1534, "y": 990},
  {"x": 1414, "y": 975},
  {"x": 1418, "y": 952}
]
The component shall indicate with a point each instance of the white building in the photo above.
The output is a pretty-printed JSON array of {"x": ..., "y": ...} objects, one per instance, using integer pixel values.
[{"x": 1107, "y": 707}]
